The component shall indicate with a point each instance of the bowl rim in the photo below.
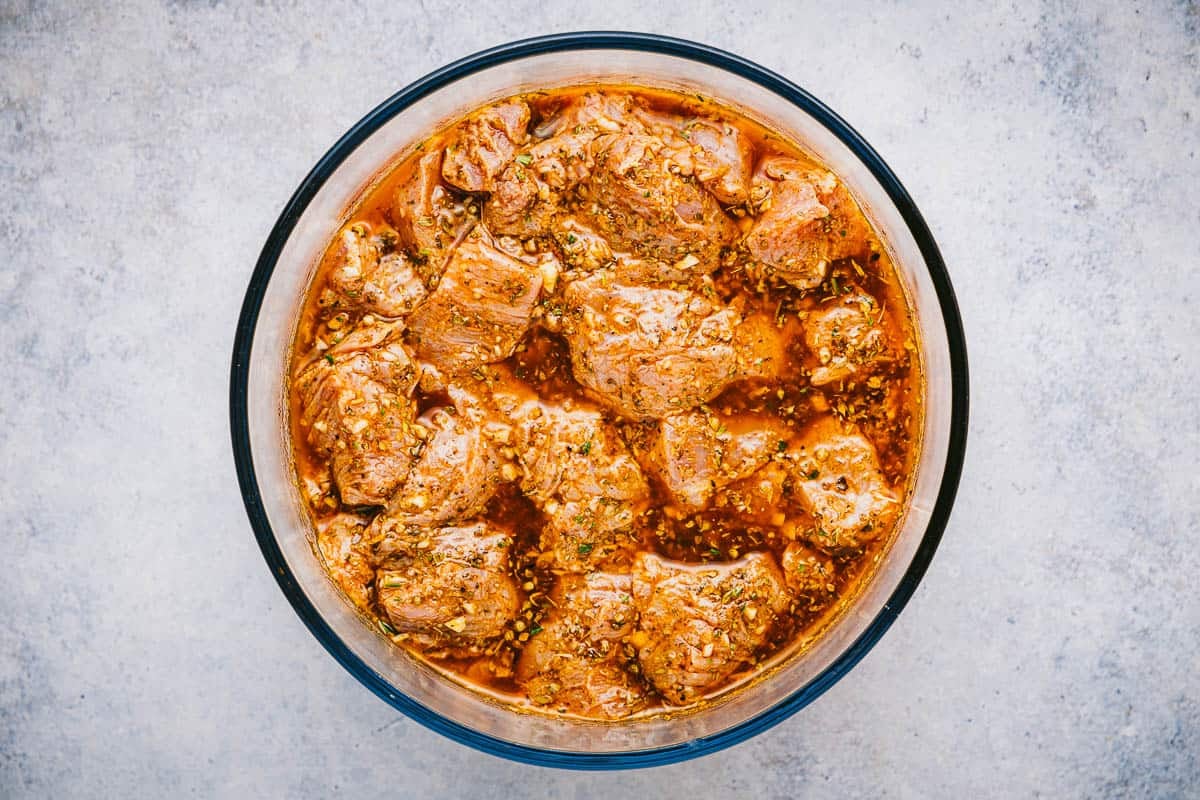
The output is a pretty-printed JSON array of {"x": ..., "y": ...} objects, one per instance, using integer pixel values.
[{"x": 364, "y": 128}]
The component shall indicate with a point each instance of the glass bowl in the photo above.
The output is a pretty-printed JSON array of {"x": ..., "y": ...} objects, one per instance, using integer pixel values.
[{"x": 286, "y": 266}]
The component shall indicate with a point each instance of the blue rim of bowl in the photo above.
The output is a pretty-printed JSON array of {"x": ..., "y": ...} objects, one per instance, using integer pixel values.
[{"x": 596, "y": 40}]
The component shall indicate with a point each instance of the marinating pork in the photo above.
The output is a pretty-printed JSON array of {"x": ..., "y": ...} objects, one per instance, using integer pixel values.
[{"x": 603, "y": 399}]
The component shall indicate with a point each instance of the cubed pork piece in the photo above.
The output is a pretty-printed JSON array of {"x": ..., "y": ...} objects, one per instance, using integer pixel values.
[
  {"x": 579, "y": 472},
  {"x": 808, "y": 572},
  {"x": 839, "y": 483},
  {"x": 715, "y": 152},
  {"x": 485, "y": 144},
  {"x": 429, "y": 219},
  {"x": 582, "y": 248},
  {"x": 700, "y": 623},
  {"x": 586, "y": 250},
  {"x": 345, "y": 548},
  {"x": 456, "y": 474},
  {"x": 762, "y": 499},
  {"x": 722, "y": 158},
  {"x": 806, "y": 220},
  {"x": 760, "y": 345},
  {"x": 370, "y": 273},
  {"x": 695, "y": 453},
  {"x": 642, "y": 208},
  {"x": 479, "y": 311},
  {"x": 357, "y": 410},
  {"x": 535, "y": 189},
  {"x": 846, "y": 339},
  {"x": 593, "y": 112},
  {"x": 576, "y": 663},
  {"x": 648, "y": 352},
  {"x": 448, "y": 588}
]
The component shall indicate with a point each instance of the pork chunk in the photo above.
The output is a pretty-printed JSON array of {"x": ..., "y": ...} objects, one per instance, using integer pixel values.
[
  {"x": 809, "y": 574},
  {"x": 533, "y": 191},
  {"x": 541, "y": 185},
  {"x": 582, "y": 247},
  {"x": 575, "y": 664},
  {"x": 585, "y": 249},
  {"x": 840, "y": 484},
  {"x": 694, "y": 453},
  {"x": 357, "y": 409},
  {"x": 763, "y": 498},
  {"x": 345, "y": 548},
  {"x": 643, "y": 208},
  {"x": 806, "y": 220},
  {"x": 428, "y": 218},
  {"x": 593, "y": 112},
  {"x": 722, "y": 159},
  {"x": 456, "y": 475},
  {"x": 479, "y": 311},
  {"x": 485, "y": 145},
  {"x": 368, "y": 272},
  {"x": 845, "y": 339},
  {"x": 761, "y": 347},
  {"x": 716, "y": 153},
  {"x": 579, "y": 472},
  {"x": 700, "y": 623},
  {"x": 648, "y": 352},
  {"x": 448, "y": 588}
]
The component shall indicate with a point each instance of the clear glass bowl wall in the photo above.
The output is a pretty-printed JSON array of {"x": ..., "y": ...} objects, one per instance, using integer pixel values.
[{"x": 414, "y": 687}]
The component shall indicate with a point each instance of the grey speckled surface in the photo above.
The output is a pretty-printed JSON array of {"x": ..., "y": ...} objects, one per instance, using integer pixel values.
[{"x": 145, "y": 151}]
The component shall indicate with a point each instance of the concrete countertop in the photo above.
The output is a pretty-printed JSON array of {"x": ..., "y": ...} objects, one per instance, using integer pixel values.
[{"x": 145, "y": 151}]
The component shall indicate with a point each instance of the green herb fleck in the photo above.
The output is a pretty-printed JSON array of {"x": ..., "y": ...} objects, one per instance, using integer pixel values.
[
  {"x": 781, "y": 445},
  {"x": 386, "y": 628},
  {"x": 585, "y": 548},
  {"x": 525, "y": 159},
  {"x": 329, "y": 358},
  {"x": 535, "y": 630},
  {"x": 586, "y": 447}
]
